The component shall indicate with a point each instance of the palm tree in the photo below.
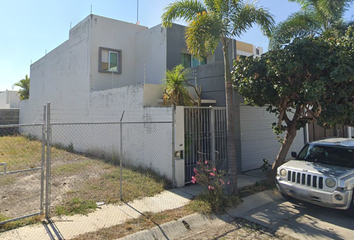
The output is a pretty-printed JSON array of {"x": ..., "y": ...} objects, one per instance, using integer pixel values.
[
  {"x": 24, "y": 84},
  {"x": 316, "y": 17},
  {"x": 208, "y": 24},
  {"x": 175, "y": 90}
]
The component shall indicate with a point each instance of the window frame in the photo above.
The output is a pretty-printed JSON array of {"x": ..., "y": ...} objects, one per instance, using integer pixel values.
[
  {"x": 119, "y": 60},
  {"x": 193, "y": 61}
]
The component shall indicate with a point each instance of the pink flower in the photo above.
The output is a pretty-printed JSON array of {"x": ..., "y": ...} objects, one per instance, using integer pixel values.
[
  {"x": 210, "y": 188},
  {"x": 228, "y": 182},
  {"x": 194, "y": 180},
  {"x": 214, "y": 169},
  {"x": 212, "y": 174},
  {"x": 206, "y": 162},
  {"x": 222, "y": 182},
  {"x": 195, "y": 170}
]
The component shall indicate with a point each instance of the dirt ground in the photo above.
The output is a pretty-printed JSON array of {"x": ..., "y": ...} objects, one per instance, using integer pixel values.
[{"x": 20, "y": 192}]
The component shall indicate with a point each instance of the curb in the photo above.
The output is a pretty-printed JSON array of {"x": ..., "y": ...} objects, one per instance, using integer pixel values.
[{"x": 189, "y": 225}]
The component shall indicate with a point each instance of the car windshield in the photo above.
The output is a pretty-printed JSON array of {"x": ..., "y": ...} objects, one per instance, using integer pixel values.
[{"x": 333, "y": 155}]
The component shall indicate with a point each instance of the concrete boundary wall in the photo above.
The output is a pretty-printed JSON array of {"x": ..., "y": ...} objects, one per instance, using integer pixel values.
[
  {"x": 9, "y": 116},
  {"x": 94, "y": 127}
]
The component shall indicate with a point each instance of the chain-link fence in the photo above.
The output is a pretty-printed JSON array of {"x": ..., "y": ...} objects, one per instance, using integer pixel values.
[
  {"x": 21, "y": 171},
  {"x": 71, "y": 168},
  {"x": 103, "y": 162}
]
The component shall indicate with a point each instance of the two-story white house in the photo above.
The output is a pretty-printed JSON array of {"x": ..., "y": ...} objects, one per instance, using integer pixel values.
[{"x": 112, "y": 66}]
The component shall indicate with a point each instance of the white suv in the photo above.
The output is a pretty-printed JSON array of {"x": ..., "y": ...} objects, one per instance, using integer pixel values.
[{"x": 322, "y": 173}]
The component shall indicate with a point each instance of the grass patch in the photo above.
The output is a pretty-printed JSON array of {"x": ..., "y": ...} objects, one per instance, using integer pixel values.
[
  {"x": 72, "y": 168},
  {"x": 146, "y": 221},
  {"x": 67, "y": 148},
  {"x": 76, "y": 206},
  {"x": 7, "y": 180},
  {"x": 86, "y": 180},
  {"x": 201, "y": 204},
  {"x": 106, "y": 188},
  {"x": 19, "y": 223},
  {"x": 19, "y": 152}
]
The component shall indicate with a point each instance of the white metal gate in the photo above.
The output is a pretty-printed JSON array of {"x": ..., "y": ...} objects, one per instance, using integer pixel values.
[{"x": 205, "y": 138}]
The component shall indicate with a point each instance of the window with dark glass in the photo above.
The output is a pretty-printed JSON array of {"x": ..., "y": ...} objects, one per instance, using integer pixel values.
[{"x": 189, "y": 60}]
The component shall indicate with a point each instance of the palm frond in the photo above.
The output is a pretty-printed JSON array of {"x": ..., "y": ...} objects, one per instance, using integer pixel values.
[
  {"x": 299, "y": 24},
  {"x": 245, "y": 15},
  {"x": 24, "y": 84},
  {"x": 331, "y": 11},
  {"x": 175, "y": 90},
  {"x": 183, "y": 9},
  {"x": 203, "y": 34},
  {"x": 305, "y": 4}
]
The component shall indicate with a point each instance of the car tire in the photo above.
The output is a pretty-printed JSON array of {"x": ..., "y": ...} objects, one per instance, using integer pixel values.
[{"x": 350, "y": 211}]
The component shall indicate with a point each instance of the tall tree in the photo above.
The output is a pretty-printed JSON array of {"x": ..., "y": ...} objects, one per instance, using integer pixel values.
[
  {"x": 311, "y": 79},
  {"x": 316, "y": 17},
  {"x": 212, "y": 22},
  {"x": 24, "y": 84}
]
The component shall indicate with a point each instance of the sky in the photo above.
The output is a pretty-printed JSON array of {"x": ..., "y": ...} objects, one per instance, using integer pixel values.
[{"x": 32, "y": 28}]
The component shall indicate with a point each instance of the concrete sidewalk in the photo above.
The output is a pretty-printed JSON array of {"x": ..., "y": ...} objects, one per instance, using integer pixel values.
[
  {"x": 199, "y": 223},
  {"x": 67, "y": 227}
]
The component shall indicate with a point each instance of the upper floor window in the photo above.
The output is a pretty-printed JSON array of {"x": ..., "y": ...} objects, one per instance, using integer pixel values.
[
  {"x": 189, "y": 60},
  {"x": 110, "y": 60}
]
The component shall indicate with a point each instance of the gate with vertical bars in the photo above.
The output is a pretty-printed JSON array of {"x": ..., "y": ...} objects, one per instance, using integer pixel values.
[{"x": 205, "y": 138}]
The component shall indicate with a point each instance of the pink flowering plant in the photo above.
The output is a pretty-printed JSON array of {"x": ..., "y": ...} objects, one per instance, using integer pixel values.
[{"x": 212, "y": 179}]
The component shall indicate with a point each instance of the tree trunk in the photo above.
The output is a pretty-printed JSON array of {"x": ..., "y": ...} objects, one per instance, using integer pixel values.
[
  {"x": 288, "y": 141},
  {"x": 230, "y": 115}
]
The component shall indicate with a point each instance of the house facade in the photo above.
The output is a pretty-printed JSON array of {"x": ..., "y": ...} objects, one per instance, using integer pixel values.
[
  {"x": 108, "y": 67},
  {"x": 9, "y": 107},
  {"x": 9, "y": 99}
]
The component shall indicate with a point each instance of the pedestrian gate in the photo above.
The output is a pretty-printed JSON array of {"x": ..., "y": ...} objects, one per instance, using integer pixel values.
[{"x": 205, "y": 138}]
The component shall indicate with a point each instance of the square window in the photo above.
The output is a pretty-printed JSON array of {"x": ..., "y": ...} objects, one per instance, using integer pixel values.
[
  {"x": 110, "y": 60},
  {"x": 189, "y": 60}
]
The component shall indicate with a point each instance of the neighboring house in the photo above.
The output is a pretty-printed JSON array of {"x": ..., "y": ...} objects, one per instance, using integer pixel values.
[
  {"x": 112, "y": 66},
  {"x": 9, "y": 99},
  {"x": 9, "y": 107}
]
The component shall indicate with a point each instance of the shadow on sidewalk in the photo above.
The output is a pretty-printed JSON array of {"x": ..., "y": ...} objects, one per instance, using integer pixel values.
[
  {"x": 52, "y": 230},
  {"x": 142, "y": 214}
]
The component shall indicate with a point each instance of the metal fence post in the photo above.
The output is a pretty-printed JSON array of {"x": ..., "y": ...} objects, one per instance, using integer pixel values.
[
  {"x": 173, "y": 149},
  {"x": 121, "y": 157},
  {"x": 48, "y": 163},
  {"x": 212, "y": 132},
  {"x": 43, "y": 159}
]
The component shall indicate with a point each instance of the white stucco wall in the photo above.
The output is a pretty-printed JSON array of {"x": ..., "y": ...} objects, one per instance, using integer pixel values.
[
  {"x": 61, "y": 76},
  {"x": 98, "y": 132},
  {"x": 258, "y": 141},
  {"x": 68, "y": 78},
  {"x": 110, "y": 33},
  {"x": 151, "y": 54}
]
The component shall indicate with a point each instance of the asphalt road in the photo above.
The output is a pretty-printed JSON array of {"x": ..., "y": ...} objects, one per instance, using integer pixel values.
[
  {"x": 289, "y": 220},
  {"x": 303, "y": 220}
]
